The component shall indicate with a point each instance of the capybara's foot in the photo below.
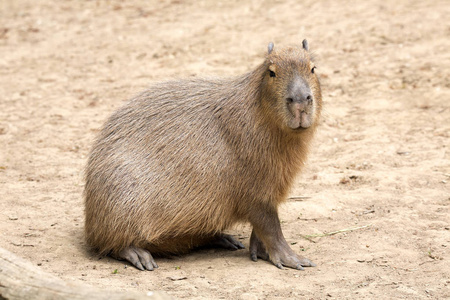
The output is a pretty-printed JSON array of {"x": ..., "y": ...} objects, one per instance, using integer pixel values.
[
  {"x": 281, "y": 254},
  {"x": 257, "y": 249},
  {"x": 140, "y": 258},
  {"x": 226, "y": 241}
]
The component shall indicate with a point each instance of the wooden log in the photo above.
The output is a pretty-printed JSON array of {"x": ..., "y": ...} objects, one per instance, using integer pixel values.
[{"x": 20, "y": 279}]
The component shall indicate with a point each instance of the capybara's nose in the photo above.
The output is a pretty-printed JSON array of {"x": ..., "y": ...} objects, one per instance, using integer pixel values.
[
  {"x": 300, "y": 98},
  {"x": 299, "y": 92}
]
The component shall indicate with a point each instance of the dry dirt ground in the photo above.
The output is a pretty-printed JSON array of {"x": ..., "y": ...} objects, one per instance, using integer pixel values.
[{"x": 380, "y": 163}]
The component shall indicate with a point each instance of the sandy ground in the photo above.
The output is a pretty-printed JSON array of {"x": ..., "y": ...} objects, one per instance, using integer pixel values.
[{"x": 380, "y": 163}]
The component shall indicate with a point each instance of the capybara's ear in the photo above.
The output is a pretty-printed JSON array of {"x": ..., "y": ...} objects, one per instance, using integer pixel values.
[
  {"x": 305, "y": 45},
  {"x": 270, "y": 47}
]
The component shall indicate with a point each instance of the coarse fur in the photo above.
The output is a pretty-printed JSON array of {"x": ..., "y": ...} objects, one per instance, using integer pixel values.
[{"x": 187, "y": 159}]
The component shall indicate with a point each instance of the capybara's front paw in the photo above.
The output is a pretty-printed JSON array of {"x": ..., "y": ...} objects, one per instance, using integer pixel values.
[
  {"x": 281, "y": 255},
  {"x": 286, "y": 257},
  {"x": 257, "y": 249}
]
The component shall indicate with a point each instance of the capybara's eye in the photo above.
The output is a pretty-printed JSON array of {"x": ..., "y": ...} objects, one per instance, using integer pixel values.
[
  {"x": 272, "y": 73},
  {"x": 312, "y": 70}
]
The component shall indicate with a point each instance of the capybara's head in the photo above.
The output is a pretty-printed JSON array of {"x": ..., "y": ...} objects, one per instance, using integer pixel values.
[{"x": 291, "y": 87}]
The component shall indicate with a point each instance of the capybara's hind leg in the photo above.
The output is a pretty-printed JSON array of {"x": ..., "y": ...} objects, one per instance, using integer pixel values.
[
  {"x": 140, "y": 258},
  {"x": 225, "y": 241}
]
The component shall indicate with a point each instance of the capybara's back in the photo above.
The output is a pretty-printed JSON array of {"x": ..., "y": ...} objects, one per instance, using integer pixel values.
[{"x": 185, "y": 160}]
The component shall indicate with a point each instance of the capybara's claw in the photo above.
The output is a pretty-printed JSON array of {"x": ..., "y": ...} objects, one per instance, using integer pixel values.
[
  {"x": 253, "y": 256},
  {"x": 292, "y": 260},
  {"x": 138, "y": 257},
  {"x": 304, "y": 262},
  {"x": 226, "y": 241},
  {"x": 279, "y": 266}
]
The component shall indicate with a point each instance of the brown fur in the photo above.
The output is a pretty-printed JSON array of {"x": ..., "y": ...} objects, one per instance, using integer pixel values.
[{"x": 188, "y": 159}]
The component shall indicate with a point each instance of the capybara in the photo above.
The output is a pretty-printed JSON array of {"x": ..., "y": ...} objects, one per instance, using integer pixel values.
[{"x": 185, "y": 160}]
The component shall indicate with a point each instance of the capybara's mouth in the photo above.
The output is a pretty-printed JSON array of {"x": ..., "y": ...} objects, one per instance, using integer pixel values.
[{"x": 302, "y": 120}]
